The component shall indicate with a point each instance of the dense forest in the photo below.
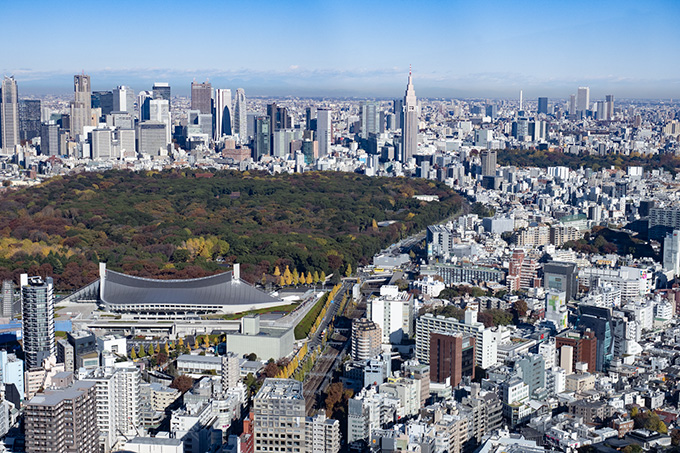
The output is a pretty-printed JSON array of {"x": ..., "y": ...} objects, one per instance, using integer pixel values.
[
  {"x": 543, "y": 159},
  {"x": 181, "y": 224}
]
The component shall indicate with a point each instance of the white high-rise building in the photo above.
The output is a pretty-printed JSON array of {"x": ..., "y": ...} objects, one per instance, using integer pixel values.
[
  {"x": 324, "y": 130},
  {"x": 101, "y": 144},
  {"x": 409, "y": 137},
  {"x": 9, "y": 115},
  {"x": 118, "y": 403},
  {"x": 393, "y": 312},
  {"x": 222, "y": 113},
  {"x": 230, "y": 371},
  {"x": 240, "y": 126},
  {"x": 671, "y": 252},
  {"x": 583, "y": 99},
  {"x": 159, "y": 110}
]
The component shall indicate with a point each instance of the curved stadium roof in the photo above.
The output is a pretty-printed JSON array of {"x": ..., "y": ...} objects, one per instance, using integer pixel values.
[{"x": 220, "y": 289}]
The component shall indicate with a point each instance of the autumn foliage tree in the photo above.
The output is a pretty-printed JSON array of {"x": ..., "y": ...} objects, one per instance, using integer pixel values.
[{"x": 182, "y": 383}]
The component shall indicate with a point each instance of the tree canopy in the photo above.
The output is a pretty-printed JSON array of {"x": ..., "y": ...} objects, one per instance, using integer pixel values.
[{"x": 175, "y": 224}]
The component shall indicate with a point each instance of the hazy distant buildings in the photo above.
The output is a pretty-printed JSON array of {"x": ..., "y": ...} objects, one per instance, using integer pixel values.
[
  {"x": 609, "y": 107},
  {"x": 583, "y": 99},
  {"x": 9, "y": 115},
  {"x": 409, "y": 136},
  {"x": 201, "y": 97},
  {"x": 37, "y": 305},
  {"x": 81, "y": 106},
  {"x": 543, "y": 106}
]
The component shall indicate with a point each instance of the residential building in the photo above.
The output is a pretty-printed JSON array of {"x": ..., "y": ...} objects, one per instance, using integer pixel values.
[
  {"x": 366, "y": 339},
  {"x": 452, "y": 356},
  {"x": 393, "y": 312},
  {"x": 485, "y": 339},
  {"x": 37, "y": 301},
  {"x": 63, "y": 420}
]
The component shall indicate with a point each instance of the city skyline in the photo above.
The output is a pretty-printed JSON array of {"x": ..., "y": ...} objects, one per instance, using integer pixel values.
[{"x": 456, "y": 50}]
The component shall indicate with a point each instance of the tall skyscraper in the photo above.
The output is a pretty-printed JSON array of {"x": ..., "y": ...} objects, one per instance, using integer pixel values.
[
  {"x": 9, "y": 115},
  {"x": 49, "y": 140},
  {"x": 398, "y": 113},
  {"x": 583, "y": 99},
  {"x": 572, "y": 105},
  {"x": 29, "y": 119},
  {"x": 609, "y": 103},
  {"x": 103, "y": 100},
  {"x": 261, "y": 137},
  {"x": 161, "y": 90},
  {"x": 37, "y": 306},
  {"x": 324, "y": 130},
  {"x": 201, "y": 97},
  {"x": 370, "y": 119},
  {"x": 82, "y": 105},
  {"x": 222, "y": 113},
  {"x": 159, "y": 110},
  {"x": 240, "y": 126},
  {"x": 124, "y": 100},
  {"x": 543, "y": 106},
  {"x": 63, "y": 420},
  {"x": 143, "y": 99},
  {"x": 489, "y": 162},
  {"x": 409, "y": 135}
]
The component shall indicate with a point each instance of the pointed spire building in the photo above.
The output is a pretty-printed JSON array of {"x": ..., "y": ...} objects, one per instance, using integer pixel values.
[{"x": 409, "y": 137}]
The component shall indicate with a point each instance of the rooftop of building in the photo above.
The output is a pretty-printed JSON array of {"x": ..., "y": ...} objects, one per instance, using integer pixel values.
[
  {"x": 155, "y": 441},
  {"x": 280, "y": 389},
  {"x": 219, "y": 289},
  {"x": 55, "y": 396}
]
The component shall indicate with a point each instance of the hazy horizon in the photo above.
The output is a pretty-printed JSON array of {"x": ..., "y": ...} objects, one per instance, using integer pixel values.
[{"x": 458, "y": 49}]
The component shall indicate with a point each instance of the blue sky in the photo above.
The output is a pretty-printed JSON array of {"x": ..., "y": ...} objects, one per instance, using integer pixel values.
[{"x": 355, "y": 48}]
